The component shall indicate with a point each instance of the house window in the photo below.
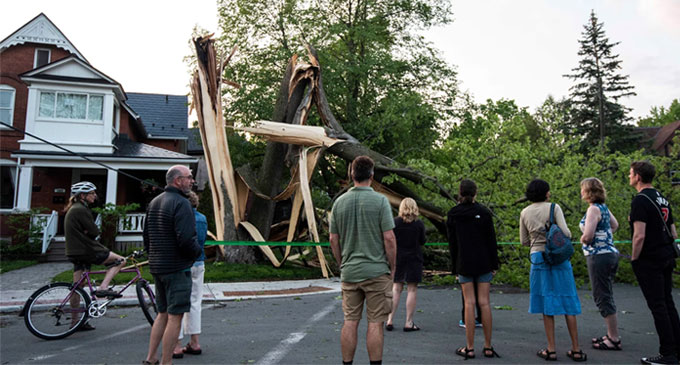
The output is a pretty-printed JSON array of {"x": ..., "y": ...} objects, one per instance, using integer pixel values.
[
  {"x": 7, "y": 104},
  {"x": 42, "y": 57},
  {"x": 8, "y": 178},
  {"x": 75, "y": 106}
]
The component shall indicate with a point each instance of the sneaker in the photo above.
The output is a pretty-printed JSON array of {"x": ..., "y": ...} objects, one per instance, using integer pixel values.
[
  {"x": 461, "y": 324},
  {"x": 108, "y": 293},
  {"x": 660, "y": 359}
]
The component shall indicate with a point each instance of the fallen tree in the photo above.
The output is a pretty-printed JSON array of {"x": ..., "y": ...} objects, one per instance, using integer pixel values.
[{"x": 244, "y": 199}]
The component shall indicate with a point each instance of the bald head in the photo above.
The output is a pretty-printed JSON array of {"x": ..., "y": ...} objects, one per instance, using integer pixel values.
[{"x": 180, "y": 177}]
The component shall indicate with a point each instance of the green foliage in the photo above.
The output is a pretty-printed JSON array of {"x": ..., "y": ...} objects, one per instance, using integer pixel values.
[
  {"x": 596, "y": 93},
  {"x": 660, "y": 116},
  {"x": 381, "y": 77},
  {"x": 515, "y": 266},
  {"x": 443, "y": 280},
  {"x": 111, "y": 214},
  {"x": 502, "y": 147},
  {"x": 26, "y": 236},
  {"x": 436, "y": 258}
]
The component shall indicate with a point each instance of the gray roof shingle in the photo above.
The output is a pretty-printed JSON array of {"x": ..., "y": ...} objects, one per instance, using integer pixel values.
[
  {"x": 128, "y": 148},
  {"x": 125, "y": 148},
  {"x": 162, "y": 115}
]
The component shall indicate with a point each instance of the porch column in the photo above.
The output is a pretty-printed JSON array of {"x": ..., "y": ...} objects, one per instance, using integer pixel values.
[
  {"x": 111, "y": 186},
  {"x": 25, "y": 188}
]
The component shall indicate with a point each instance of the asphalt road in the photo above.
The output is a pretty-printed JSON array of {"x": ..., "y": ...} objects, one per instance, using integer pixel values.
[{"x": 306, "y": 330}]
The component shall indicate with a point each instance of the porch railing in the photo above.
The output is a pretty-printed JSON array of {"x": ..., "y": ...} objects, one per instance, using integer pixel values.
[
  {"x": 49, "y": 224},
  {"x": 133, "y": 223}
]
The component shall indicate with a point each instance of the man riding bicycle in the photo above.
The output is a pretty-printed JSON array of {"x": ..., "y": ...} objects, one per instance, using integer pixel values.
[{"x": 82, "y": 248}]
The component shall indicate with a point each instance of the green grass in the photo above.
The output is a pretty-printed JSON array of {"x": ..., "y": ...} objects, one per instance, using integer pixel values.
[
  {"x": 10, "y": 265},
  {"x": 220, "y": 272}
]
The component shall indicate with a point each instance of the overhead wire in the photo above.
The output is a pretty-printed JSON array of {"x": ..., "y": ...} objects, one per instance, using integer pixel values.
[{"x": 147, "y": 182}]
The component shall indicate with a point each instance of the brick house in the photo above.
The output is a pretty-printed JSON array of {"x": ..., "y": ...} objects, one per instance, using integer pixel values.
[{"x": 50, "y": 90}]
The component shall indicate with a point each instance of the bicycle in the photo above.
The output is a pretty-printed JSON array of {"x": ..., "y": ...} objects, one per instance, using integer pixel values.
[{"x": 58, "y": 310}]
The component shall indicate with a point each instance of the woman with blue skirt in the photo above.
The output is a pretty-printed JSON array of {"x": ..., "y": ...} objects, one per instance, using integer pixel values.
[{"x": 553, "y": 290}]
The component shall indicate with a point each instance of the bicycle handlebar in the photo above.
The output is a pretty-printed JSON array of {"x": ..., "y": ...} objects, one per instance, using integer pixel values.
[{"x": 136, "y": 254}]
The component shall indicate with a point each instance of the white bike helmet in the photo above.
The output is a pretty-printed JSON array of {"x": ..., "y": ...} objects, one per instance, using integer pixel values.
[{"x": 82, "y": 187}]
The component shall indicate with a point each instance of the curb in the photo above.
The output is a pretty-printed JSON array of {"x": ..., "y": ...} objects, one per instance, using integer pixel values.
[{"x": 13, "y": 301}]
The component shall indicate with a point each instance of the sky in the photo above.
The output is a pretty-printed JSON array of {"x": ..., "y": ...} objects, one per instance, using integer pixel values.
[{"x": 512, "y": 49}]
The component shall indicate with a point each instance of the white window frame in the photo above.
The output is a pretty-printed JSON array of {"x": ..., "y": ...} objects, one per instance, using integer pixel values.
[
  {"x": 35, "y": 56},
  {"x": 12, "y": 103},
  {"x": 54, "y": 109}
]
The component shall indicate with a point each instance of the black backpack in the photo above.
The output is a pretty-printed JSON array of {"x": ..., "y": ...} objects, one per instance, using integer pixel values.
[{"x": 558, "y": 247}]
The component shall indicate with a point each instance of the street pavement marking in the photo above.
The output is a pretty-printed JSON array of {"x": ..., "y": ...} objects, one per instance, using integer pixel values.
[
  {"x": 87, "y": 343},
  {"x": 277, "y": 354}
]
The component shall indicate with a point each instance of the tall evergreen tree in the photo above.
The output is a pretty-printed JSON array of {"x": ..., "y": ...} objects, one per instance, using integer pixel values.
[{"x": 596, "y": 93}]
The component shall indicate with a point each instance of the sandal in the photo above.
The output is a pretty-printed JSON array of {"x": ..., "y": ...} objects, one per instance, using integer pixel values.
[
  {"x": 150, "y": 363},
  {"x": 465, "y": 352},
  {"x": 547, "y": 355},
  {"x": 389, "y": 327},
  {"x": 490, "y": 352},
  {"x": 573, "y": 355},
  {"x": 191, "y": 351},
  {"x": 412, "y": 328},
  {"x": 599, "y": 339},
  {"x": 602, "y": 345}
]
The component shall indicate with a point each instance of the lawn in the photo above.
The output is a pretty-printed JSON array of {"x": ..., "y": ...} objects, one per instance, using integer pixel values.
[
  {"x": 220, "y": 272},
  {"x": 10, "y": 265}
]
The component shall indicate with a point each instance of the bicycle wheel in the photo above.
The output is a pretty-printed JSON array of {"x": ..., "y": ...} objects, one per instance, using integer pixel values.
[
  {"x": 54, "y": 311},
  {"x": 147, "y": 300}
]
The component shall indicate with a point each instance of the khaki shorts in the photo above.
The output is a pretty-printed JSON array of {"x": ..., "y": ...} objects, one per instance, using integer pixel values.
[{"x": 378, "y": 295}]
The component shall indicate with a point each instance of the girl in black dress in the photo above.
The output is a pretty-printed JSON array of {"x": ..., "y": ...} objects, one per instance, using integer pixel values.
[{"x": 410, "y": 233}]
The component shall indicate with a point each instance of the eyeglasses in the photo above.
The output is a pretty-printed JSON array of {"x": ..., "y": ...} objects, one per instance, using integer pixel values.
[{"x": 190, "y": 177}]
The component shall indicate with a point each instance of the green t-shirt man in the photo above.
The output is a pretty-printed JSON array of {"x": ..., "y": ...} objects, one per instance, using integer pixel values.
[{"x": 359, "y": 217}]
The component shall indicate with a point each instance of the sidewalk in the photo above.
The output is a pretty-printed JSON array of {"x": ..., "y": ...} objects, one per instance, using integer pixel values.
[{"x": 16, "y": 286}]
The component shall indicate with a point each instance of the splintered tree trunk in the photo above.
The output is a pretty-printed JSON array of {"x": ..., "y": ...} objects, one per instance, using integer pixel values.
[
  {"x": 205, "y": 89},
  {"x": 261, "y": 213}
]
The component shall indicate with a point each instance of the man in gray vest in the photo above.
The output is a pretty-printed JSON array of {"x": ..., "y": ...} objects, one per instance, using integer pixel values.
[
  {"x": 170, "y": 240},
  {"x": 364, "y": 246}
]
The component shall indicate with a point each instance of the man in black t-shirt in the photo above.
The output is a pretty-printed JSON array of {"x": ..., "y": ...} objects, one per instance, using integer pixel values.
[{"x": 653, "y": 259}]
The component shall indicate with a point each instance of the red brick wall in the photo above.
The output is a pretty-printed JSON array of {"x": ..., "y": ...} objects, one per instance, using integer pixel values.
[
  {"x": 122, "y": 187},
  {"x": 15, "y": 61},
  {"x": 49, "y": 178},
  {"x": 127, "y": 126}
]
